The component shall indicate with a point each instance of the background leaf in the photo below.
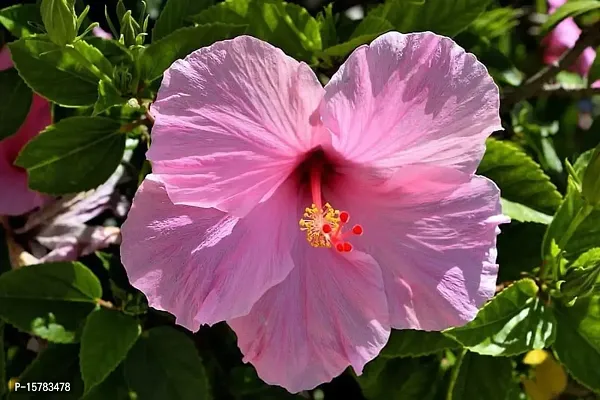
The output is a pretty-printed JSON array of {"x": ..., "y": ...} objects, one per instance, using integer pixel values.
[
  {"x": 413, "y": 343},
  {"x": 164, "y": 364},
  {"x": 481, "y": 377},
  {"x": 18, "y": 19},
  {"x": 57, "y": 363},
  {"x": 50, "y": 300},
  {"x": 406, "y": 378},
  {"x": 446, "y": 17},
  {"x": 76, "y": 154},
  {"x": 521, "y": 213},
  {"x": 16, "y": 103},
  {"x": 65, "y": 75},
  {"x": 514, "y": 321},
  {"x": 587, "y": 234},
  {"x": 520, "y": 179},
  {"x": 175, "y": 14},
  {"x": 285, "y": 25},
  {"x": 577, "y": 342},
  {"x": 159, "y": 56},
  {"x": 106, "y": 339}
]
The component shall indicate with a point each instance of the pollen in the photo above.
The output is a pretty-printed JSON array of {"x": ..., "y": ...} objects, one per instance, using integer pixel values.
[
  {"x": 324, "y": 227},
  {"x": 319, "y": 223}
]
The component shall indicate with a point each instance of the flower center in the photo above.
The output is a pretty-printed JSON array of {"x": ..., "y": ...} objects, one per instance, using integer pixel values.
[{"x": 323, "y": 224}]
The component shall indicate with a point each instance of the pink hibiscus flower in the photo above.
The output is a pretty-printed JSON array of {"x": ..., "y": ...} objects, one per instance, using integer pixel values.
[
  {"x": 17, "y": 198},
  {"x": 563, "y": 37},
  {"x": 313, "y": 220}
]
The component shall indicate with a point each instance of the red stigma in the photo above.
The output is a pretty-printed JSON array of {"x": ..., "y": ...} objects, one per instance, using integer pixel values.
[
  {"x": 347, "y": 247},
  {"x": 357, "y": 230},
  {"x": 339, "y": 247},
  {"x": 327, "y": 228},
  {"x": 344, "y": 216}
]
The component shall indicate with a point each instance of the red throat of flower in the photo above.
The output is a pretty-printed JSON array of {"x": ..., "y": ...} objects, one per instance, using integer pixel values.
[{"x": 323, "y": 224}]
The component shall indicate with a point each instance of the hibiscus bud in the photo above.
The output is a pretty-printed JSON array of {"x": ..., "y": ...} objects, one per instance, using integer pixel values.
[
  {"x": 129, "y": 29},
  {"x": 591, "y": 179},
  {"x": 123, "y": 79},
  {"x": 580, "y": 282},
  {"x": 59, "y": 20}
]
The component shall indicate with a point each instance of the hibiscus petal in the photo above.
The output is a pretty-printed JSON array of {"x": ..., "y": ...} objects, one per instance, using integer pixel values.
[
  {"x": 438, "y": 255},
  {"x": 203, "y": 265},
  {"x": 18, "y": 198},
  {"x": 329, "y": 313},
  {"x": 411, "y": 98},
  {"x": 5, "y": 60},
  {"x": 232, "y": 121}
]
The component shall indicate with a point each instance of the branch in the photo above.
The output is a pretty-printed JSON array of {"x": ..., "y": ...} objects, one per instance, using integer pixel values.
[
  {"x": 589, "y": 38},
  {"x": 576, "y": 92}
]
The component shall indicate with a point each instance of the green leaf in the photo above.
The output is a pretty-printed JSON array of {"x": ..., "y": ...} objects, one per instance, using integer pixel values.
[
  {"x": 65, "y": 75},
  {"x": 513, "y": 322},
  {"x": 157, "y": 57},
  {"x": 113, "y": 387},
  {"x": 60, "y": 20},
  {"x": 164, "y": 364},
  {"x": 413, "y": 343},
  {"x": 445, "y": 17},
  {"x": 112, "y": 50},
  {"x": 50, "y": 300},
  {"x": 108, "y": 96},
  {"x": 327, "y": 26},
  {"x": 15, "y": 103},
  {"x": 481, "y": 377},
  {"x": 400, "y": 378},
  {"x": 520, "y": 179},
  {"x": 57, "y": 363},
  {"x": 590, "y": 184},
  {"x": 175, "y": 14},
  {"x": 73, "y": 155},
  {"x": 587, "y": 234},
  {"x": 537, "y": 135},
  {"x": 284, "y": 25},
  {"x": 521, "y": 213},
  {"x": 343, "y": 49},
  {"x": 107, "y": 337},
  {"x": 243, "y": 383},
  {"x": 582, "y": 276},
  {"x": 569, "y": 9},
  {"x": 577, "y": 342},
  {"x": 20, "y": 19},
  {"x": 589, "y": 259},
  {"x": 495, "y": 22}
]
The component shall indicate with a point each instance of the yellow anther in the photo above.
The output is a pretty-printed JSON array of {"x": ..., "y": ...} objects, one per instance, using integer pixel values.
[{"x": 314, "y": 220}]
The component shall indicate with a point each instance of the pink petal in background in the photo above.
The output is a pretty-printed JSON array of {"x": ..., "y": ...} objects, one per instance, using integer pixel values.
[
  {"x": 17, "y": 198},
  {"x": 563, "y": 37}
]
